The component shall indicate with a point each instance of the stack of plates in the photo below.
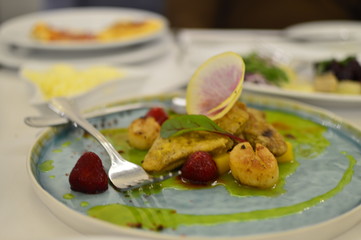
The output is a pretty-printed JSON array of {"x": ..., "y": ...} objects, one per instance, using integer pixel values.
[{"x": 18, "y": 46}]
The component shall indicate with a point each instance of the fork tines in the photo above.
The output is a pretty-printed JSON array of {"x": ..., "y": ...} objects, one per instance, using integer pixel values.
[{"x": 152, "y": 180}]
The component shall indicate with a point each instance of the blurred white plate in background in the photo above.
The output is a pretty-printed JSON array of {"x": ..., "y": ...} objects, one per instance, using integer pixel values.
[
  {"x": 14, "y": 57},
  {"x": 125, "y": 85},
  {"x": 17, "y": 31},
  {"x": 338, "y": 31},
  {"x": 315, "y": 98}
]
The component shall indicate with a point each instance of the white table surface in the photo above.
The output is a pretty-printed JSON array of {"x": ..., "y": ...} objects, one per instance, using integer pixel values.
[{"x": 22, "y": 214}]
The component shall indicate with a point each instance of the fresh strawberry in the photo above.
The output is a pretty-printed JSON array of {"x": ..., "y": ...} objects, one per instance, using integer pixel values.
[
  {"x": 158, "y": 114},
  {"x": 199, "y": 168},
  {"x": 88, "y": 175}
]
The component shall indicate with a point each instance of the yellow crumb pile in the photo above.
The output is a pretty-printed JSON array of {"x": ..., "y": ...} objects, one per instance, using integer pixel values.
[{"x": 66, "y": 80}]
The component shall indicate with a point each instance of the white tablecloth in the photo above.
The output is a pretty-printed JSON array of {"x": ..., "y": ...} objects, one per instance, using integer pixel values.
[{"x": 22, "y": 214}]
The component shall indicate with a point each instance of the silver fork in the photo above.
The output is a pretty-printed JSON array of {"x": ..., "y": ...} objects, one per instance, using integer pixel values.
[
  {"x": 123, "y": 174},
  {"x": 177, "y": 105}
]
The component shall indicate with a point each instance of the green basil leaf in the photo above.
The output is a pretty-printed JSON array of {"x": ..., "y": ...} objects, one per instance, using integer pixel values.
[{"x": 187, "y": 123}]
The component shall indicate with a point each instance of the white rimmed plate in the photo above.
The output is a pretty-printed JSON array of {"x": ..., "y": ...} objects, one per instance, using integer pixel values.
[
  {"x": 314, "y": 98},
  {"x": 17, "y": 31},
  {"x": 124, "y": 86},
  {"x": 328, "y": 179},
  {"x": 14, "y": 57},
  {"x": 325, "y": 31},
  {"x": 95, "y": 237}
]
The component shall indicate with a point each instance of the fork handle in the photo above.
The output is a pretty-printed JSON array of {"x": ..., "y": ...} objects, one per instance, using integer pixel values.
[{"x": 64, "y": 108}]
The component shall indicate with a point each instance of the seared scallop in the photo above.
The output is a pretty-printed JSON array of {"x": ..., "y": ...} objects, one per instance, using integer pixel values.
[
  {"x": 142, "y": 132},
  {"x": 255, "y": 168}
]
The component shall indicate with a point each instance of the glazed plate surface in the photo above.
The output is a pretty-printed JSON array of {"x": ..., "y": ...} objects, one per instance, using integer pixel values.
[{"x": 320, "y": 196}]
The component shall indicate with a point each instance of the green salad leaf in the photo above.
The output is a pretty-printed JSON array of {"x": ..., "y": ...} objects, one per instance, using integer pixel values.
[
  {"x": 181, "y": 124},
  {"x": 256, "y": 64}
]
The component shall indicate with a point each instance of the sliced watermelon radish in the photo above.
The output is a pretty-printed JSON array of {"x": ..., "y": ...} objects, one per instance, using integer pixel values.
[{"x": 216, "y": 85}]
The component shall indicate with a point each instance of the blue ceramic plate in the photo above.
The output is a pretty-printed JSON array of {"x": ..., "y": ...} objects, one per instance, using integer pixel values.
[{"x": 319, "y": 195}]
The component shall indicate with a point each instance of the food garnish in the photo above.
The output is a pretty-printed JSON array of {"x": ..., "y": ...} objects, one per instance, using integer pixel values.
[
  {"x": 216, "y": 85},
  {"x": 158, "y": 114},
  {"x": 262, "y": 70},
  {"x": 199, "y": 168},
  {"x": 186, "y": 123},
  {"x": 88, "y": 175}
]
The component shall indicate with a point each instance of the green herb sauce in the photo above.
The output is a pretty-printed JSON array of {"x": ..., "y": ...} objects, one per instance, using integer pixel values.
[
  {"x": 46, "y": 166},
  {"x": 68, "y": 196},
  {"x": 307, "y": 140}
]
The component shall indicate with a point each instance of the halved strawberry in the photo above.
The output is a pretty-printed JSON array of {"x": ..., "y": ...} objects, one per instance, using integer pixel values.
[
  {"x": 199, "y": 168},
  {"x": 88, "y": 175}
]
